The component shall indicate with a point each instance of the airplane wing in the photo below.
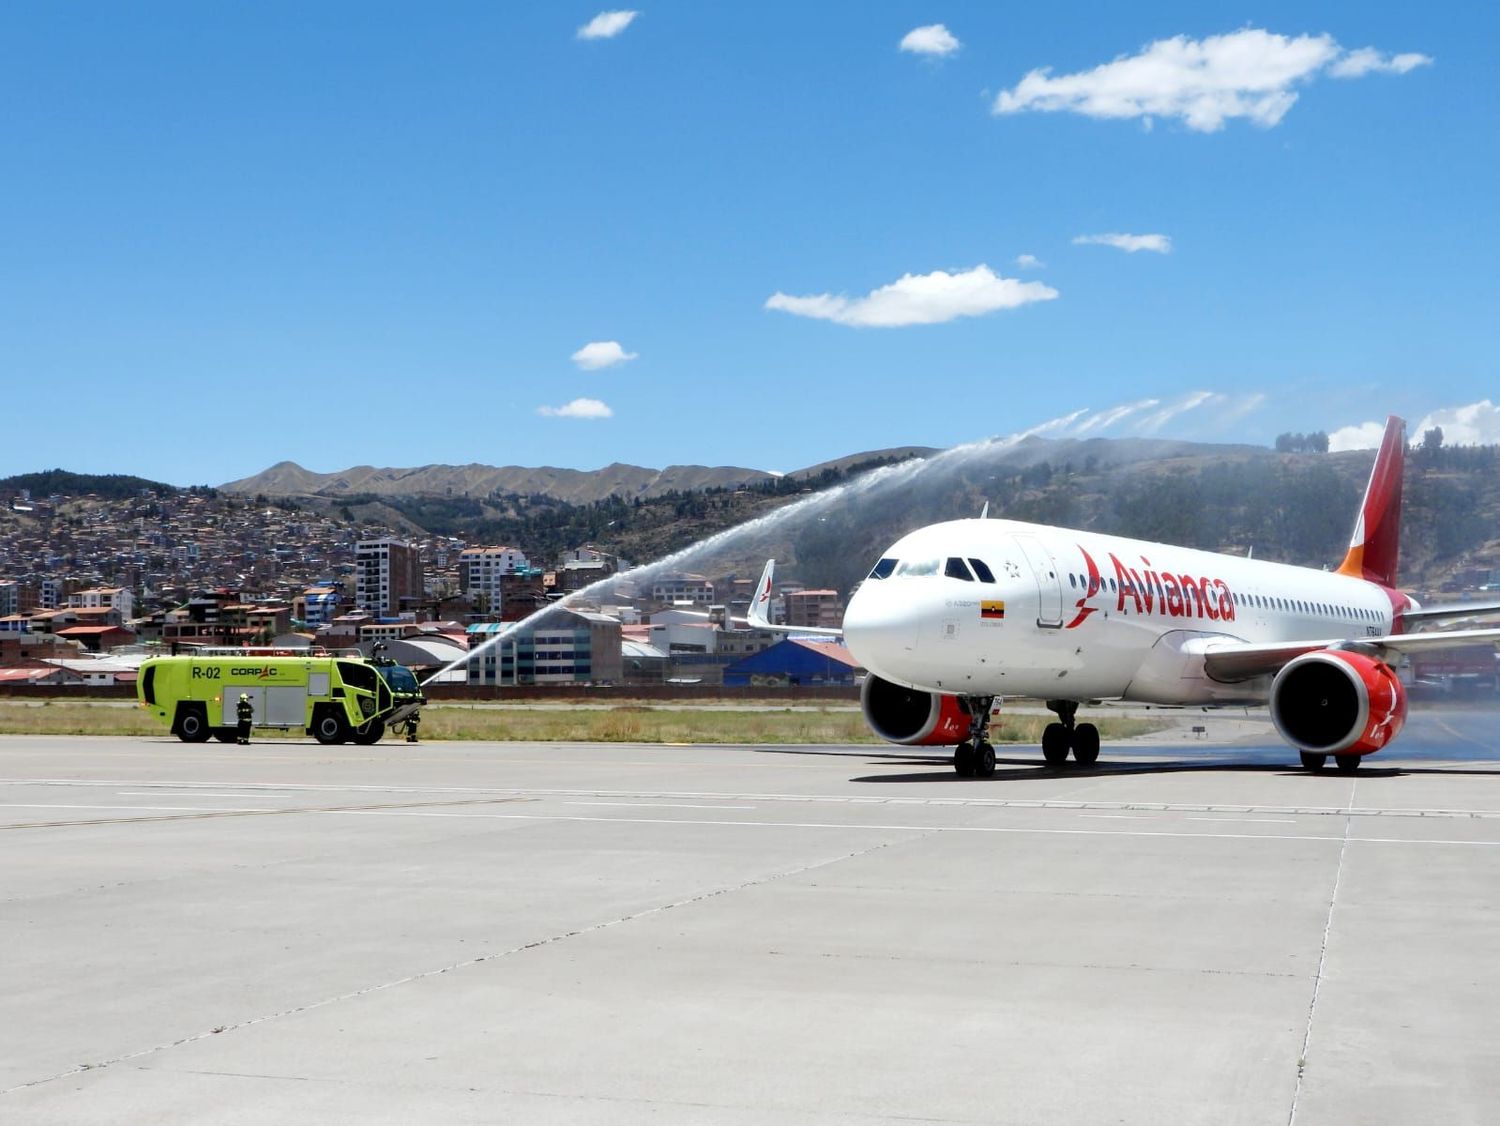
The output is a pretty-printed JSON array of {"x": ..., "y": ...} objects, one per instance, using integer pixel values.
[
  {"x": 1451, "y": 610},
  {"x": 760, "y": 603},
  {"x": 1229, "y": 661}
]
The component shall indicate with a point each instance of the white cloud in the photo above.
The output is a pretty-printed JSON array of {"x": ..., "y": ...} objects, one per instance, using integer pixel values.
[
  {"x": 1160, "y": 244},
  {"x": 1367, "y": 60},
  {"x": 601, "y": 354},
  {"x": 578, "y": 408},
  {"x": 1250, "y": 73},
  {"x": 606, "y": 25},
  {"x": 934, "y": 40},
  {"x": 1029, "y": 262},
  {"x": 1362, "y": 436},
  {"x": 919, "y": 299},
  {"x": 1477, "y": 424}
]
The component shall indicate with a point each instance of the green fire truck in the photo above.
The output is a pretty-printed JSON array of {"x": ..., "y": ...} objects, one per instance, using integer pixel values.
[{"x": 331, "y": 698}]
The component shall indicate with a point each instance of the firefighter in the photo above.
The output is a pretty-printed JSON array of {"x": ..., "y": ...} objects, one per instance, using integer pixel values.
[
  {"x": 411, "y": 726},
  {"x": 244, "y": 712}
]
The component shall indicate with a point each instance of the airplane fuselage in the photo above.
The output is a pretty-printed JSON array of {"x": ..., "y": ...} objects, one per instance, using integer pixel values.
[{"x": 1004, "y": 608}]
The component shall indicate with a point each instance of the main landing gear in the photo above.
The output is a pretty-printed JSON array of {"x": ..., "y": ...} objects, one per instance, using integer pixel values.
[
  {"x": 975, "y": 758},
  {"x": 1064, "y": 736}
]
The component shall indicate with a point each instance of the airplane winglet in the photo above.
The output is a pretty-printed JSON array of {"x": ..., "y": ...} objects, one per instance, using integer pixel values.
[{"x": 760, "y": 602}]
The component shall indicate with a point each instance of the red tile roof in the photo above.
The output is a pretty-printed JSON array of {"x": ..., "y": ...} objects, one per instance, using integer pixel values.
[{"x": 830, "y": 649}]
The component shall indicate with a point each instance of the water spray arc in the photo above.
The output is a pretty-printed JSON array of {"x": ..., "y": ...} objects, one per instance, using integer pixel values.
[
  {"x": 884, "y": 475},
  {"x": 875, "y": 481}
]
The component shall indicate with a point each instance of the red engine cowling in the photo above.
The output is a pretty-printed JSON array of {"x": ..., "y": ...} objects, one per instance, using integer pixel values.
[
  {"x": 1335, "y": 703},
  {"x": 912, "y": 717}
]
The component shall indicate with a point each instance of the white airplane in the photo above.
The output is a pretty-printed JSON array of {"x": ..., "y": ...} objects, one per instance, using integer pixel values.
[{"x": 958, "y": 614}]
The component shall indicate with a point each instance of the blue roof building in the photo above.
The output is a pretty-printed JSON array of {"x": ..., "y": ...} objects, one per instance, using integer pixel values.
[{"x": 794, "y": 662}]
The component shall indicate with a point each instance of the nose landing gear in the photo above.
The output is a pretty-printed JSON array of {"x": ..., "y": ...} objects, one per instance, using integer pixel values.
[
  {"x": 975, "y": 758},
  {"x": 1061, "y": 737}
]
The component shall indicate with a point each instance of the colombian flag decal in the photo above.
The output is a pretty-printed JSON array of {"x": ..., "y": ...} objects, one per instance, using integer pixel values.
[{"x": 992, "y": 610}]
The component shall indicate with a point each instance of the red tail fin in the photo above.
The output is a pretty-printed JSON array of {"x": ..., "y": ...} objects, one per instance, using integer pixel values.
[{"x": 1373, "y": 548}]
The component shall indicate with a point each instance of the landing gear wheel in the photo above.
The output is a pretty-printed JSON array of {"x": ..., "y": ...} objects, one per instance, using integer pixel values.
[
  {"x": 963, "y": 760},
  {"x": 330, "y": 728},
  {"x": 984, "y": 761},
  {"x": 1055, "y": 744},
  {"x": 1313, "y": 761},
  {"x": 1347, "y": 764},
  {"x": 1085, "y": 744}
]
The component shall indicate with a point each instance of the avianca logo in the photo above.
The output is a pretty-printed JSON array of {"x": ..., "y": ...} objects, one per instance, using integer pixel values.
[
  {"x": 1152, "y": 592},
  {"x": 1095, "y": 584}
]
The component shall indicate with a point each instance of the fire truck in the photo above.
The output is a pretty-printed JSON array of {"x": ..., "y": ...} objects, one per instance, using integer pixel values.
[{"x": 332, "y": 698}]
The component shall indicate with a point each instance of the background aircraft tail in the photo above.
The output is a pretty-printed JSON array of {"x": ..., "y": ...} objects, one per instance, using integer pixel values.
[
  {"x": 1377, "y": 531},
  {"x": 760, "y": 602}
]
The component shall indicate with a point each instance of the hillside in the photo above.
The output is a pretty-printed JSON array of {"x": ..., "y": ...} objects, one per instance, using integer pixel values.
[
  {"x": 1295, "y": 507},
  {"x": 575, "y": 486}
]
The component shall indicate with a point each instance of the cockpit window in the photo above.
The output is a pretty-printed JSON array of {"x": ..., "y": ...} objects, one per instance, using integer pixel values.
[
  {"x": 980, "y": 569},
  {"x": 883, "y": 568},
  {"x": 914, "y": 568},
  {"x": 957, "y": 570}
]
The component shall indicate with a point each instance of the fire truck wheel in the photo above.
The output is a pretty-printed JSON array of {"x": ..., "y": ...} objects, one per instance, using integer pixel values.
[
  {"x": 192, "y": 723},
  {"x": 370, "y": 732},
  {"x": 329, "y": 727}
]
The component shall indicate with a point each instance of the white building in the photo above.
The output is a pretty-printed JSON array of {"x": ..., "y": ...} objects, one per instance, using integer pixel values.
[
  {"x": 385, "y": 571},
  {"x": 671, "y": 589},
  {"x": 104, "y": 598},
  {"x": 480, "y": 570}
]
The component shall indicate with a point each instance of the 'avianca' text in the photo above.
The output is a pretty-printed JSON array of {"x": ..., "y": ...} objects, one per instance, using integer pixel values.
[{"x": 1176, "y": 596}]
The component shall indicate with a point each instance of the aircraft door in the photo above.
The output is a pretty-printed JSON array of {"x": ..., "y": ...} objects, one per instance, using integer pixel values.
[{"x": 1048, "y": 582}]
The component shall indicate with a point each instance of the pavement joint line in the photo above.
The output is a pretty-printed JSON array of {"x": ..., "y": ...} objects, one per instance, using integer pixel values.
[
  {"x": 1312, "y": 1006},
  {"x": 468, "y": 963}
]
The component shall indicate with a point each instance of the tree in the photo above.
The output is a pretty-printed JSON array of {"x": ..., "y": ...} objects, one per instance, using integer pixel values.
[{"x": 1432, "y": 440}]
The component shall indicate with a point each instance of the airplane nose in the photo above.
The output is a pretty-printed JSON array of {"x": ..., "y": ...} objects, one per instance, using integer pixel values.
[{"x": 878, "y": 627}]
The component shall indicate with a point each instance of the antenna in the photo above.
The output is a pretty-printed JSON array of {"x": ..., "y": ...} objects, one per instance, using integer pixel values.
[{"x": 985, "y": 511}]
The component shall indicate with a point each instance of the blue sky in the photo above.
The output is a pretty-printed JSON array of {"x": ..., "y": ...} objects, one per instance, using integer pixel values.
[{"x": 390, "y": 234}]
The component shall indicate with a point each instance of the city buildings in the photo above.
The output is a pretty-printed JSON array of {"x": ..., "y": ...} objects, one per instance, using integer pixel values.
[
  {"x": 569, "y": 647},
  {"x": 669, "y": 590},
  {"x": 821, "y": 609},
  {"x": 482, "y": 572},
  {"x": 386, "y": 571}
]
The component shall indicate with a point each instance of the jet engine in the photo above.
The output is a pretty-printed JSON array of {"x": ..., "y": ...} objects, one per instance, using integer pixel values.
[
  {"x": 912, "y": 717},
  {"x": 1336, "y": 703}
]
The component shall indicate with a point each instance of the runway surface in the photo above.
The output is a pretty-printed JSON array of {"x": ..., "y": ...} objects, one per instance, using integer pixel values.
[{"x": 1194, "y": 933}]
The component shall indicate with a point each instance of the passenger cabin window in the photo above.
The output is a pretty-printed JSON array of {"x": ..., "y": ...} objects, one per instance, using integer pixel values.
[
  {"x": 957, "y": 570},
  {"x": 883, "y": 569},
  {"x": 982, "y": 570}
]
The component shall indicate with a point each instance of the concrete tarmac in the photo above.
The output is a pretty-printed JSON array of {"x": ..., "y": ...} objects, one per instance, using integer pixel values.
[{"x": 1193, "y": 933}]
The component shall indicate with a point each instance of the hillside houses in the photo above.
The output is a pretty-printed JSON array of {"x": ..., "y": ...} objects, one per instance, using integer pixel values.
[{"x": 84, "y": 577}]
